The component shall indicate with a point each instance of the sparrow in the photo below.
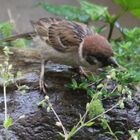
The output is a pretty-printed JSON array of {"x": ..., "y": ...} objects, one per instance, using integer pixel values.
[{"x": 70, "y": 43}]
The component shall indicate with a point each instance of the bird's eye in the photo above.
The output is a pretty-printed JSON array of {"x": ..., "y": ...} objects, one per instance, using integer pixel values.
[{"x": 91, "y": 60}]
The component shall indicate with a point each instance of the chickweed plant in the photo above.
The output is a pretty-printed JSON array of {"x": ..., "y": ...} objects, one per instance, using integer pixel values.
[
  {"x": 94, "y": 111},
  {"x": 6, "y": 75},
  {"x": 7, "y": 78},
  {"x": 135, "y": 135}
]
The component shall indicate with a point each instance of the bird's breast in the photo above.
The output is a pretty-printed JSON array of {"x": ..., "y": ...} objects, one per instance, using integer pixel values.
[{"x": 70, "y": 58}]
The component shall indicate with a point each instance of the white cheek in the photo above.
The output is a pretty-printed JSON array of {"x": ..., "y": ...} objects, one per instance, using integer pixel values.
[
  {"x": 80, "y": 52},
  {"x": 96, "y": 61}
]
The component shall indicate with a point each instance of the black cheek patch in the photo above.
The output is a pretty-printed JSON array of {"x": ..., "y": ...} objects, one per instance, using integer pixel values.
[
  {"x": 103, "y": 60},
  {"x": 91, "y": 60}
]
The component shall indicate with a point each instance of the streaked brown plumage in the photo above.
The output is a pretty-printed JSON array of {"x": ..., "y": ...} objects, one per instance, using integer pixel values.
[
  {"x": 63, "y": 35},
  {"x": 66, "y": 36},
  {"x": 71, "y": 37},
  {"x": 71, "y": 43}
]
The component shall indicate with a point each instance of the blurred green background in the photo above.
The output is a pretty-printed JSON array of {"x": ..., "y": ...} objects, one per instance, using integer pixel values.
[{"x": 23, "y": 11}]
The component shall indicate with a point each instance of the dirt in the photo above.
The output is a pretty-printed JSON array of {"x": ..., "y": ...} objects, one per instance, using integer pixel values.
[{"x": 39, "y": 124}]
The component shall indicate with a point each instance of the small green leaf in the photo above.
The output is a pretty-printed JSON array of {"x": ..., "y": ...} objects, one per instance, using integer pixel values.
[
  {"x": 83, "y": 85},
  {"x": 42, "y": 104},
  {"x": 87, "y": 105},
  {"x": 104, "y": 123},
  {"x": 119, "y": 132},
  {"x": 120, "y": 88},
  {"x": 72, "y": 132},
  {"x": 8, "y": 123},
  {"x": 73, "y": 129},
  {"x": 113, "y": 74},
  {"x": 48, "y": 109},
  {"x": 69, "y": 12},
  {"x": 20, "y": 43},
  {"x": 62, "y": 135},
  {"x": 130, "y": 5},
  {"x": 90, "y": 124},
  {"x": 81, "y": 120},
  {"x": 74, "y": 84},
  {"x": 6, "y": 29},
  {"x": 129, "y": 97},
  {"x": 95, "y": 108},
  {"x": 121, "y": 103},
  {"x": 90, "y": 91},
  {"x": 100, "y": 86},
  {"x": 135, "y": 135},
  {"x": 93, "y": 10}
]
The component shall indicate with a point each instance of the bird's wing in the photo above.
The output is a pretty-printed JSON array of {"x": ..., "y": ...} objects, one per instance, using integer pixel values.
[{"x": 61, "y": 34}]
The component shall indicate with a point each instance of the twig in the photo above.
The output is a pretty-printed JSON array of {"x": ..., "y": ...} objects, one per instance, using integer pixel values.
[
  {"x": 63, "y": 128},
  {"x": 95, "y": 83},
  {"x": 5, "y": 101},
  {"x": 112, "y": 23},
  {"x": 10, "y": 17},
  {"x": 110, "y": 30},
  {"x": 114, "y": 89}
]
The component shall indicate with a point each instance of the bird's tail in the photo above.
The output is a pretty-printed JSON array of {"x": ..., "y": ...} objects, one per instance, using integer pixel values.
[
  {"x": 24, "y": 55},
  {"x": 28, "y": 35}
]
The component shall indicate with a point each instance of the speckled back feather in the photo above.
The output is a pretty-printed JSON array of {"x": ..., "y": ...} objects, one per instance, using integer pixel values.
[{"x": 62, "y": 34}]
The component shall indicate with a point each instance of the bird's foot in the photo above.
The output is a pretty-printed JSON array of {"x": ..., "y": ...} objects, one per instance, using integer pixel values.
[
  {"x": 84, "y": 71},
  {"x": 43, "y": 86}
]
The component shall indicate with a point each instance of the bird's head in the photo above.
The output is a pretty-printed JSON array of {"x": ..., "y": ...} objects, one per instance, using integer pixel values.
[{"x": 98, "y": 51}]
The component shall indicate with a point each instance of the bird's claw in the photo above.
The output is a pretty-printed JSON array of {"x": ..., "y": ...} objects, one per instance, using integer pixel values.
[
  {"x": 43, "y": 86},
  {"x": 83, "y": 72}
]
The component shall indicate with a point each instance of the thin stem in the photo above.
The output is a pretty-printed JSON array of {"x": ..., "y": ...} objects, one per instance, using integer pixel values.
[
  {"x": 102, "y": 113},
  {"x": 5, "y": 112},
  {"x": 115, "y": 137},
  {"x": 83, "y": 119},
  {"x": 5, "y": 101},
  {"x": 112, "y": 23},
  {"x": 110, "y": 30},
  {"x": 63, "y": 128},
  {"x": 111, "y": 132},
  {"x": 95, "y": 118}
]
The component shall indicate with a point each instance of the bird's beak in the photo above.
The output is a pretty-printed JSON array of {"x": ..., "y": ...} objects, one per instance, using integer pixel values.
[{"x": 112, "y": 61}]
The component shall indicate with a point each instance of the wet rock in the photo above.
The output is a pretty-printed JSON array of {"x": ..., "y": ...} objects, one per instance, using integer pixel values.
[{"x": 39, "y": 124}]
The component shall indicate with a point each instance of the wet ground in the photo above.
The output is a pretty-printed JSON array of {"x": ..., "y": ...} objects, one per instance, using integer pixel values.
[{"x": 39, "y": 124}]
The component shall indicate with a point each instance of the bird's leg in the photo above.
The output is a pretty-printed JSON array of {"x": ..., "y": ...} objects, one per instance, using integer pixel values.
[
  {"x": 83, "y": 71},
  {"x": 43, "y": 86},
  {"x": 86, "y": 72}
]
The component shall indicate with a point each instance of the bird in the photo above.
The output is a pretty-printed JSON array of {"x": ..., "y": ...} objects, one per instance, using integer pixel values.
[{"x": 70, "y": 43}]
